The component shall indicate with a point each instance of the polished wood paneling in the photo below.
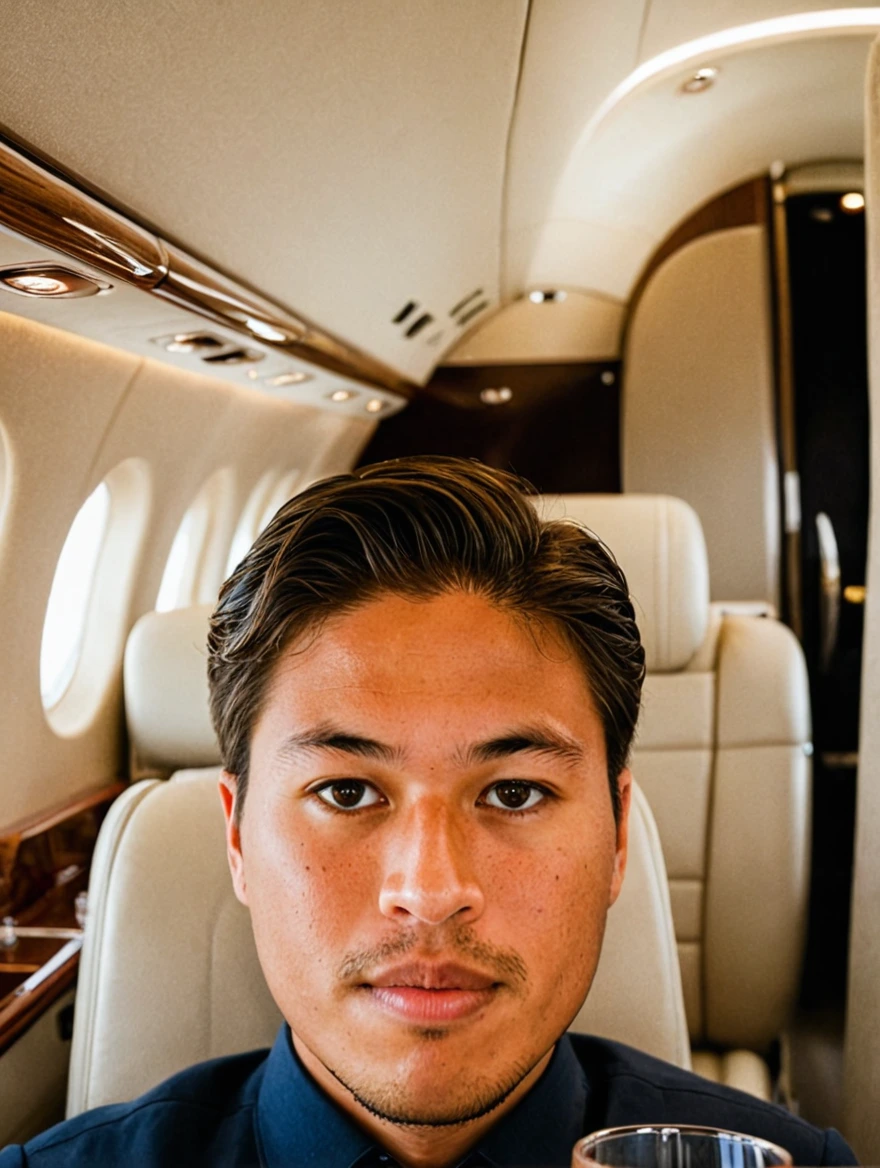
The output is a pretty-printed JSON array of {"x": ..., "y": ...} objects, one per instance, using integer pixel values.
[
  {"x": 560, "y": 430},
  {"x": 44, "y": 859},
  {"x": 17, "y": 1014},
  {"x": 44, "y": 863}
]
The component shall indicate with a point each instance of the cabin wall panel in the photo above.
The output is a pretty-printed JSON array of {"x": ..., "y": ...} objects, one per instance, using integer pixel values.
[
  {"x": 58, "y": 395},
  {"x": 862, "y": 1044},
  {"x": 71, "y": 411},
  {"x": 698, "y": 412}
]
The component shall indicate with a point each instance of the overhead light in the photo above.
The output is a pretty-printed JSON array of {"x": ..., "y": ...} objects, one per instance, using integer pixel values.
[
  {"x": 282, "y": 379},
  {"x": 268, "y": 332},
  {"x": 375, "y": 405},
  {"x": 496, "y": 397},
  {"x": 699, "y": 81},
  {"x": 852, "y": 201},
  {"x": 542, "y": 296},
  {"x": 822, "y": 214},
  {"x": 341, "y": 395},
  {"x": 49, "y": 281},
  {"x": 197, "y": 342}
]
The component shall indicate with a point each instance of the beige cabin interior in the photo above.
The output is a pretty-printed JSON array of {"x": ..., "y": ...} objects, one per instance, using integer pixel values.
[{"x": 376, "y": 211}]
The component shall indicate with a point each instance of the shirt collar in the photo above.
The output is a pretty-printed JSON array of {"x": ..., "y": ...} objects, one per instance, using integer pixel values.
[{"x": 298, "y": 1123}]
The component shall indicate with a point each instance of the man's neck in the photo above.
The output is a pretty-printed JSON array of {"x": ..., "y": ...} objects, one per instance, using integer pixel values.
[{"x": 428, "y": 1146}]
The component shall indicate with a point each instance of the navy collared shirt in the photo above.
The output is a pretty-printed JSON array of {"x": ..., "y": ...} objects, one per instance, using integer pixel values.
[{"x": 265, "y": 1109}]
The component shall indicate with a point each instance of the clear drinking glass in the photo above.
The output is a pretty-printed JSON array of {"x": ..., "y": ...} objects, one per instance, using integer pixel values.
[{"x": 675, "y": 1146}]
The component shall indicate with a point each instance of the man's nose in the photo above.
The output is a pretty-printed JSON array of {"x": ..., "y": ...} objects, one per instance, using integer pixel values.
[{"x": 429, "y": 872}]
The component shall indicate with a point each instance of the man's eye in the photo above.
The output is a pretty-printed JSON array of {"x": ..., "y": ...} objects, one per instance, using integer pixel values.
[
  {"x": 514, "y": 795},
  {"x": 348, "y": 795}
]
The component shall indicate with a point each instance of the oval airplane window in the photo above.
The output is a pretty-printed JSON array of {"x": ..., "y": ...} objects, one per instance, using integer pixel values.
[
  {"x": 194, "y": 568},
  {"x": 270, "y": 493},
  {"x": 88, "y": 612},
  {"x": 66, "y": 611},
  {"x": 249, "y": 524},
  {"x": 284, "y": 489}
]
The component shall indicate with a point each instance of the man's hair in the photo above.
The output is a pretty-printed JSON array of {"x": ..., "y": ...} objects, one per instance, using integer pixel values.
[{"x": 420, "y": 527}]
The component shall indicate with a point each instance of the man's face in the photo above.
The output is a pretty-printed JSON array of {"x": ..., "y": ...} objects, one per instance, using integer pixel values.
[{"x": 428, "y": 850}]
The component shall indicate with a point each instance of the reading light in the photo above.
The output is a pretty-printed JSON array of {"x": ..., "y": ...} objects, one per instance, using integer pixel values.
[
  {"x": 58, "y": 283},
  {"x": 496, "y": 397},
  {"x": 544, "y": 296},
  {"x": 375, "y": 405},
  {"x": 341, "y": 395},
  {"x": 282, "y": 379},
  {"x": 852, "y": 201},
  {"x": 191, "y": 342},
  {"x": 699, "y": 81}
]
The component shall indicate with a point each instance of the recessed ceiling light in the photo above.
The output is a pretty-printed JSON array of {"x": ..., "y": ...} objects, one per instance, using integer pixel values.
[
  {"x": 282, "y": 379},
  {"x": 700, "y": 80},
  {"x": 375, "y": 405},
  {"x": 197, "y": 342},
  {"x": 543, "y": 296},
  {"x": 341, "y": 395},
  {"x": 852, "y": 201},
  {"x": 493, "y": 396},
  {"x": 49, "y": 281}
]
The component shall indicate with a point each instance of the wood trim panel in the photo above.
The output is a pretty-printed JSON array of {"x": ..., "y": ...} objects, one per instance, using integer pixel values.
[
  {"x": 44, "y": 862},
  {"x": 22, "y": 1012},
  {"x": 45, "y": 858}
]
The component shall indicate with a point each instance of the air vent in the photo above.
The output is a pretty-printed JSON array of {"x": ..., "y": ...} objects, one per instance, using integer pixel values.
[
  {"x": 472, "y": 312},
  {"x": 234, "y": 357},
  {"x": 418, "y": 324},
  {"x": 462, "y": 304},
  {"x": 404, "y": 312}
]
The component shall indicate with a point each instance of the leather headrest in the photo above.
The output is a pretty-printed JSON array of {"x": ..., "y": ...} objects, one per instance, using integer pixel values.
[
  {"x": 166, "y": 690},
  {"x": 658, "y": 542}
]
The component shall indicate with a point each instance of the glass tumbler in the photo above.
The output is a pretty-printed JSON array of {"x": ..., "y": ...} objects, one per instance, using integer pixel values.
[{"x": 675, "y": 1146}]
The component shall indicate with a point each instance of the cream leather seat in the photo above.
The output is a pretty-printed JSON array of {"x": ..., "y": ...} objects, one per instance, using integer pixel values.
[
  {"x": 723, "y": 754},
  {"x": 169, "y": 972}
]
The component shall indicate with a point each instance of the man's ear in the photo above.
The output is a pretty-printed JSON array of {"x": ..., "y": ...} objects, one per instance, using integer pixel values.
[
  {"x": 229, "y": 799},
  {"x": 624, "y": 786}
]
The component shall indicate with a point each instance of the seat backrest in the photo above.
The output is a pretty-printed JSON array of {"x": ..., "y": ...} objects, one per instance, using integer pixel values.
[{"x": 723, "y": 754}]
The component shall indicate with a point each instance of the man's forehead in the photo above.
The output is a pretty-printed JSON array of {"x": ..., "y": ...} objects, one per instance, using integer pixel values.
[{"x": 390, "y": 634}]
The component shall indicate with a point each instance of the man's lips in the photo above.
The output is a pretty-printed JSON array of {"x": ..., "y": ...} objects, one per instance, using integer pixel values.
[
  {"x": 428, "y": 976},
  {"x": 426, "y": 993}
]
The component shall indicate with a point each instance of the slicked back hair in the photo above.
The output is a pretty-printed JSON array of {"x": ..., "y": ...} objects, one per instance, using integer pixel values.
[{"x": 420, "y": 527}]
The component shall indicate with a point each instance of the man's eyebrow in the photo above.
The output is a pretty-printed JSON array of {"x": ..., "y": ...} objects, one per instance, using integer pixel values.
[
  {"x": 328, "y": 737},
  {"x": 526, "y": 739}
]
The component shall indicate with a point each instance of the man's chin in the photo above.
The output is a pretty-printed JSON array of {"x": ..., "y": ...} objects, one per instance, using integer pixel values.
[{"x": 417, "y": 1098}]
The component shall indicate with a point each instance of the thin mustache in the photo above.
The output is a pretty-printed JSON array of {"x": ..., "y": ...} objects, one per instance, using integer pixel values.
[{"x": 505, "y": 962}]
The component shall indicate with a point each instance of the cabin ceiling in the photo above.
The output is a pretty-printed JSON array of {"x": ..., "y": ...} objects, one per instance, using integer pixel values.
[{"x": 347, "y": 157}]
